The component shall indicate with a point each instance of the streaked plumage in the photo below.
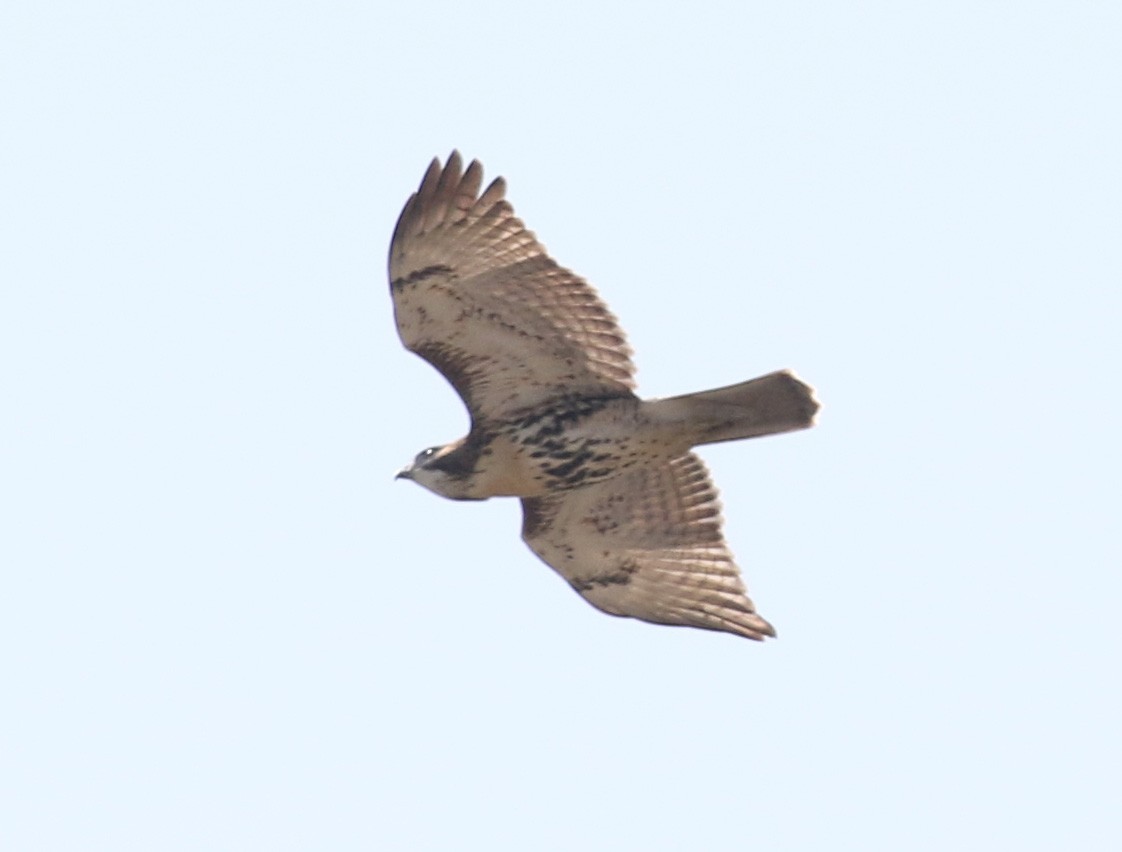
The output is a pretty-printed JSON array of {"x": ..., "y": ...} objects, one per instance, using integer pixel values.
[{"x": 613, "y": 499}]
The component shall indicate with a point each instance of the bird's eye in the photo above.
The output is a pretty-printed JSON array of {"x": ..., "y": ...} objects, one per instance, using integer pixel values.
[{"x": 429, "y": 453}]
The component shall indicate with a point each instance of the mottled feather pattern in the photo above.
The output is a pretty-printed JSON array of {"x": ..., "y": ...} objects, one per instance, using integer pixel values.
[
  {"x": 612, "y": 498},
  {"x": 647, "y": 544},
  {"x": 468, "y": 277}
]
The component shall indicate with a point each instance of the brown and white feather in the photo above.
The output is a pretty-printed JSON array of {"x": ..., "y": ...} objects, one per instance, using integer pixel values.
[
  {"x": 647, "y": 544},
  {"x": 476, "y": 295}
]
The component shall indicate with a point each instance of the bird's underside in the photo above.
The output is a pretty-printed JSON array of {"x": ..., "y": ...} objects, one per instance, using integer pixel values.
[{"x": 612, "y": 497}]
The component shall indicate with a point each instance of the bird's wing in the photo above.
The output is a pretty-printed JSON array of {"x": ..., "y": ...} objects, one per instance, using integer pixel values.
[
  {"x": 646, "y": 544},
  {"x": 476, "y": 295}
]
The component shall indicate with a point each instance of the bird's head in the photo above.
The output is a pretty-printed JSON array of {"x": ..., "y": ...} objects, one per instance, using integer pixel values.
[{"x": 440, "y": 470}]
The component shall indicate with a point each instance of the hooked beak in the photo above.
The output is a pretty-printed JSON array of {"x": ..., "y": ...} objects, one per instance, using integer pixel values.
[{"x": 405, "y": 473}]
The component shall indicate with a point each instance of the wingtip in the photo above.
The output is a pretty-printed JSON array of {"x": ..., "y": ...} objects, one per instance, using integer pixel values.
[
  {"x": 439, "y": 176},
  {"x": 433, "y": 171},
  {"x": 758, "y": 630},
  {"x": 456, "y": 160},
  {"x": 494, "y": 193}
]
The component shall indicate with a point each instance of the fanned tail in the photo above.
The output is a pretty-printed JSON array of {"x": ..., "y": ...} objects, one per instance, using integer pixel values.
[{"x": 772, "y": 404}]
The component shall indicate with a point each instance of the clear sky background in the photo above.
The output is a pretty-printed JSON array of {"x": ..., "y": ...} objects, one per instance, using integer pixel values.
[{"x": 224, "y": 627}]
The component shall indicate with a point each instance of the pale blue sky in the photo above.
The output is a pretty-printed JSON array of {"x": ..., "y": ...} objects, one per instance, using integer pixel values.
[{"x": 224, "y": 627}]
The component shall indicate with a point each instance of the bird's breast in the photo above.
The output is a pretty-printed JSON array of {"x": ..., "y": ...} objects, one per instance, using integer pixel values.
[{"x": 562, "y": 447}]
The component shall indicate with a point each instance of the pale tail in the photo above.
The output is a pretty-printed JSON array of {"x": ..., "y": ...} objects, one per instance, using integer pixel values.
[{"x": 777, "y": 402}]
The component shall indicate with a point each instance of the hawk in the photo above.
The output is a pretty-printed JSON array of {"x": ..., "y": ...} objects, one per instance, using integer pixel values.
[{"x": 613, "y": 499}]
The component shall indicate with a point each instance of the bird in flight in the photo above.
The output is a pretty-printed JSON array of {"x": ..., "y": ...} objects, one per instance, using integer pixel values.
[{"x": 613, "y": 499}]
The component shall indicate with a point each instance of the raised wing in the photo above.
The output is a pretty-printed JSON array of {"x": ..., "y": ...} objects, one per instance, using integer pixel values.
[
  {"x": 646, "y": 544},
  {"x": 476, "y": 295}
]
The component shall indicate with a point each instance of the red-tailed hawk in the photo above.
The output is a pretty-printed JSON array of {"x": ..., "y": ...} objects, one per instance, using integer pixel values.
[{"x": 612, "y": 497}]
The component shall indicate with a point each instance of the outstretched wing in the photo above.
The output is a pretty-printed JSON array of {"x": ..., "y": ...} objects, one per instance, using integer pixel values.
[
  {"x": 476, "y": 295},
  {"x": 646, "y": 544}
]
